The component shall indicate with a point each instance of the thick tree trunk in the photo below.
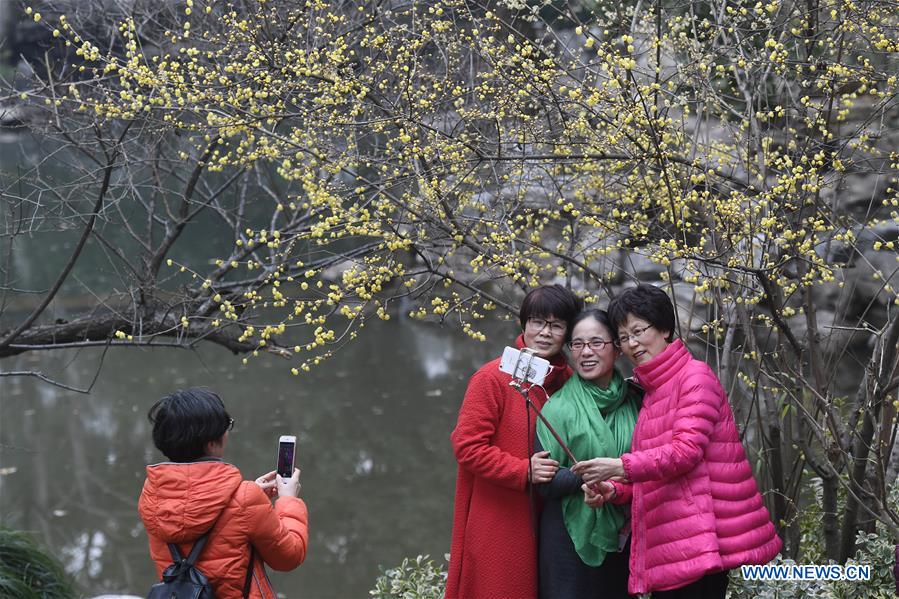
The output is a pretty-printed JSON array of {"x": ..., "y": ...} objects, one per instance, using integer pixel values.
[
  {"x": 830, "y": 518},
  {"x": 882, "y": 367},
  {"x": 857, "y": 478}
]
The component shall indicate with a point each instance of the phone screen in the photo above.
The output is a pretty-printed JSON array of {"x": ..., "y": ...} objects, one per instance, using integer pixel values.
[{"x": 285, "y": 459}]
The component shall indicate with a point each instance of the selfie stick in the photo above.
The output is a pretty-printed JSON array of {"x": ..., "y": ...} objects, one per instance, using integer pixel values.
[{"x": 519, "y": 385}]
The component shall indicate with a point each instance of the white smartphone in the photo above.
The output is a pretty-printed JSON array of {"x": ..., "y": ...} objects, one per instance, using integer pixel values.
[
  {"x": 287, "y": 445},
  {"x": 524, "y": 365}
]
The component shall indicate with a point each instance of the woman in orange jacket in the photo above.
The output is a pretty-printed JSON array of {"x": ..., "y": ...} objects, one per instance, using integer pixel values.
[{"x": 197, "y": 492}]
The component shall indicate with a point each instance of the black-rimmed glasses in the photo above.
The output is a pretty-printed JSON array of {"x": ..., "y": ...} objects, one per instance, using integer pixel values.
[
  {"x": 595, "y": 344},
  {"x": 556, "y": 327}
]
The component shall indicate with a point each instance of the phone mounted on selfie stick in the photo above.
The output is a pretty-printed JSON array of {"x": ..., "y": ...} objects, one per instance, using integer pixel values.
[{"x": 529, "y": 370}]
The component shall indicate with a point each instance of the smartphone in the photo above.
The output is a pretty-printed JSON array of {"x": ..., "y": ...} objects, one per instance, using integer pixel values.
[
  {"x": 524, "y": 365},
  {"x": 286, "y": 450}
]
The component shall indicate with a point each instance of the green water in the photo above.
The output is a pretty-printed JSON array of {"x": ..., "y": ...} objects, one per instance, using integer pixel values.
[
  {"x": 373, "y": 423},
  {"x": 372, "y": 427}
]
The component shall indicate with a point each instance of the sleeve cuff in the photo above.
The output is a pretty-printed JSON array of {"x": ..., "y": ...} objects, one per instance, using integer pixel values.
[
  {"x": 622, "y": 494},
  {"x": 525, "y": 478},
  {"x": 626, "y": 466}
]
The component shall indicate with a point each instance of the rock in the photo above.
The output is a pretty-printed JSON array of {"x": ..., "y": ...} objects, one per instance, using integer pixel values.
[
  {"x": 640, "y": 266},
  {"x": 13, "y": 117},
  {"x": 859, "y": 191},
  {"x": 335, "y": 272}
]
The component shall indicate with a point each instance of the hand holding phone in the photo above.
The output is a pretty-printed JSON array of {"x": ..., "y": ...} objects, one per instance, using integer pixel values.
[
  {"x": 289, "y": 487},
  {"x": 288, "y": 477},
  {"x": 268, "y": 484},
  {"x": 286, "y": 451}
]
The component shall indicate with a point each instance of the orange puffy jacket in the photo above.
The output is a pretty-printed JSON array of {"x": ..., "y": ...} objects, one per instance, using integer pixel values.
[{"x": 181, "y": 501}]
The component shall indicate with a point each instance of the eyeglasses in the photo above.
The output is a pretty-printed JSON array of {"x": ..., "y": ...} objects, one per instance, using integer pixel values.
[
  {"x": 230, "y": 424},
  {"x": 556, "y": 327},
  {"x": 634, "y": 335},
  {"x": 595, "y": 344}
]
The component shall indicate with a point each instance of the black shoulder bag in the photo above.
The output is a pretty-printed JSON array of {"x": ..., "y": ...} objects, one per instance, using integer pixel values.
[{"x": 183, "y": 580}]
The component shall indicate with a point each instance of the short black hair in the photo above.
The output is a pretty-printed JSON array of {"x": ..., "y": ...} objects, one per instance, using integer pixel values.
[
  {"x": 185, "y": 421},
  {"x": 600, "y": 316},
  {"x": 550, "y": 300},
  {"x": 647, "y": 302}
]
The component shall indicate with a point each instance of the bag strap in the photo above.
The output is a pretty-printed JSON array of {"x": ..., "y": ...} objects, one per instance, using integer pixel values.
[
  {"x": 176, "y": 553},
  {"x": 198, "y": 546},
  {"x": 249, "y": 579}
]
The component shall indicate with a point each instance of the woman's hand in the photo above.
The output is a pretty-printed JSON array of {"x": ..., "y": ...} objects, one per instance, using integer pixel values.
[
  {"x": 543, "y": 467},
  {"x": 591, "y": 497},
  {"x": 289, "y": 487},
  {"x": 606, "y": 489},
  {"x": 599, "y": 469},
  {"x": 267, "y": 483},
  {"x": 597, "y": 495}
]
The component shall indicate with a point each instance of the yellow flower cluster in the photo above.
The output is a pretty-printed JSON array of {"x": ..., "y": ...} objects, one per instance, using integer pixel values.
[{"x": 432, "y": 153}]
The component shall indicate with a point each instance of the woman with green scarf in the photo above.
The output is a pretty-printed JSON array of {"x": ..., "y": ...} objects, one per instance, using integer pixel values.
[{"x": 583, "y": 551}]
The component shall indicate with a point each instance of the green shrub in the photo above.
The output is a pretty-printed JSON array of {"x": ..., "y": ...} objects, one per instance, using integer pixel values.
[
  {"x": 420, "y": 578},
  {"x": 880, "y": 586},
  {"x": 876, "y": 550},
  {"x": 28, "y": 572}
]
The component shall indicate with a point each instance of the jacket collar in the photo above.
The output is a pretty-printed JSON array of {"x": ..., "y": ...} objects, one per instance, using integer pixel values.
[{"x": 663, "y": 367}]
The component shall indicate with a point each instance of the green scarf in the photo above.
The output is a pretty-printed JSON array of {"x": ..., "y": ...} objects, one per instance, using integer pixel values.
[{"x": 593, "y": 422}]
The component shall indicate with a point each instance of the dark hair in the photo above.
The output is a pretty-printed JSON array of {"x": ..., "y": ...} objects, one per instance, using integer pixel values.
[
  {"x": 647, "y": 302},
  {"x": 600, "y": 316},
  {"x": 185, "y": 421},
  {"x": 550, "y": 300}
]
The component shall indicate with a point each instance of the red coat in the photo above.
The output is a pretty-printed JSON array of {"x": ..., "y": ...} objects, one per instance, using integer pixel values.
[
  {"x": 180, "y": 501},
  {"x": 494, "y": 548}
]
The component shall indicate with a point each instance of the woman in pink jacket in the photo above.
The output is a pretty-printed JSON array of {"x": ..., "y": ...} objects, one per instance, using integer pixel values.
[{"x": 696, "y": 510}]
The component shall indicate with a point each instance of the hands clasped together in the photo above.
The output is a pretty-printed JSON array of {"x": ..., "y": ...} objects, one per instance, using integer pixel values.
[{"x": 596, "y": 473}]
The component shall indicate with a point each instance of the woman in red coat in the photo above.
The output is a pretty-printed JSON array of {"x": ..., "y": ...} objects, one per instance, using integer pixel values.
[
  {"x": 197, "y": 492},
  {"x": 494, "y": 545}
]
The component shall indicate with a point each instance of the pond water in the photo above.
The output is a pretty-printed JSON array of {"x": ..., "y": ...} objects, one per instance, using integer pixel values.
[{"x": 373, "y": 429}]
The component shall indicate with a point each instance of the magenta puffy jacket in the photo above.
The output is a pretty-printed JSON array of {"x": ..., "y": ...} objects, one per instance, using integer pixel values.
[{"x": 695, "y": 504}]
